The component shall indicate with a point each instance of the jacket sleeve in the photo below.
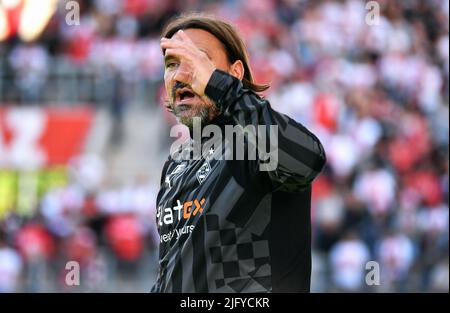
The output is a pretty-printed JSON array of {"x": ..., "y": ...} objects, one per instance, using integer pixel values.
[{"x": 299, "y": 154}]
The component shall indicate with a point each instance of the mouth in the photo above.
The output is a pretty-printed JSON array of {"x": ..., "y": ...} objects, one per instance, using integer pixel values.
[{"x": 183, "y": 97}]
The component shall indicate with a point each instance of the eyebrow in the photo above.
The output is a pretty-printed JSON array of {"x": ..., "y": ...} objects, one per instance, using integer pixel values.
[{"x": 168, "y": 58}]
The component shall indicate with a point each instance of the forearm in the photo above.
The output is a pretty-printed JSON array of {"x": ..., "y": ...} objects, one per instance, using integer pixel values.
[{"x": 300, "y": 153}]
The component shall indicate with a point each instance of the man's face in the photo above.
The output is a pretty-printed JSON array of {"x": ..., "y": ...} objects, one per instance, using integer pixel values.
[{"x": 184, "y": 102}]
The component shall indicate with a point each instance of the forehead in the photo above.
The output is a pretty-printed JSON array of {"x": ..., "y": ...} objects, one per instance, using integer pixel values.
[{"x": 205, "y": 41}]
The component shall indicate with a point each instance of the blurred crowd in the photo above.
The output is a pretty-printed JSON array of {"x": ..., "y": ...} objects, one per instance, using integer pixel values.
[
  {"x": 109, "y": 229},
  {"x": 374, "y": 88}
]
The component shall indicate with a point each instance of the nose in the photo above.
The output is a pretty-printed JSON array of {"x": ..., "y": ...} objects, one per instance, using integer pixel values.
[
  {"x": 183, "y": 74},
  {"x": 177, "y": 85}
]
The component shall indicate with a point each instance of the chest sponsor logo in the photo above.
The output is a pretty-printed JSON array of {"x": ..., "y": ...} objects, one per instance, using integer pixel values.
[{"x": 180, "y": 211}]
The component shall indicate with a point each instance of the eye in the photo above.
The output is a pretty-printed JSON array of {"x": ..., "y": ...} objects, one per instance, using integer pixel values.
[{"x": 171, "y": 64}]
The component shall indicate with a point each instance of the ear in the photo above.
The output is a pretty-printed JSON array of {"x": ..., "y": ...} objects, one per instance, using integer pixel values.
[{"x": 237, "y": 69}]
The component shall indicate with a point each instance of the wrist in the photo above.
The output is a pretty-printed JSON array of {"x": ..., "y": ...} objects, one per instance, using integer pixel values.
[
  {"x": 219, "y": 86},
  {"x": 205, "y": 78}
]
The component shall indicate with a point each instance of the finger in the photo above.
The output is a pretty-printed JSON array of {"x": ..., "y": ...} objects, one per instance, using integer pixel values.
[
  {"x": 178, "y": 48},
  {"x": 185, "y": 40},
  {"x": 180, "y": 53},
  {"x": 171, "y": 44},
  {"x": 174, "y": 38},
  {"x": 174, "y": 52},
  {"x": 164, "y": 39},
  {"x": 184, "y": 37}
]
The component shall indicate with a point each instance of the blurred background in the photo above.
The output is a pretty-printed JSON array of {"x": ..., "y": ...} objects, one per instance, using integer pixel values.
[{"x": 84, "y": 135}]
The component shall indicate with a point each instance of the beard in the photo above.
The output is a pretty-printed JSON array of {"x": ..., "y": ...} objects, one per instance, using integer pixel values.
[
  {"x": 185, "y": 114},
  {"x": 203, "y": 108}
]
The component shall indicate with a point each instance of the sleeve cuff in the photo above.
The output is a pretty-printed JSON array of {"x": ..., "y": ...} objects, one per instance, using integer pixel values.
[{"x": 218, "y": 85}]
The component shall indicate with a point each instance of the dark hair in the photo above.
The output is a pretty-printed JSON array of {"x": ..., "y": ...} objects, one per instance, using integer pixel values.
[{"x": 234, "y": 46}]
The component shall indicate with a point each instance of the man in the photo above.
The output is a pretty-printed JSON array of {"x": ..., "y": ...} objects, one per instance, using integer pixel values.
[{"x": 231, "y": 224}]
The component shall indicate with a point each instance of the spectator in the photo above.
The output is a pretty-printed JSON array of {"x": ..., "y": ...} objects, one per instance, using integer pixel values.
[
  {"x": 11, "y": 267},
  {"x": 348, "y": 260}
]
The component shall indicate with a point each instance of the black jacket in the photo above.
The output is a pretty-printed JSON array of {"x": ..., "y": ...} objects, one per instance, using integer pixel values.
[{"x": 228, "y": 226}]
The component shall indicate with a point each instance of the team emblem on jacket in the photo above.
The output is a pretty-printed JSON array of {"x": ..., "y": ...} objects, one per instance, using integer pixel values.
[{"x": 203, "y": 172}]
